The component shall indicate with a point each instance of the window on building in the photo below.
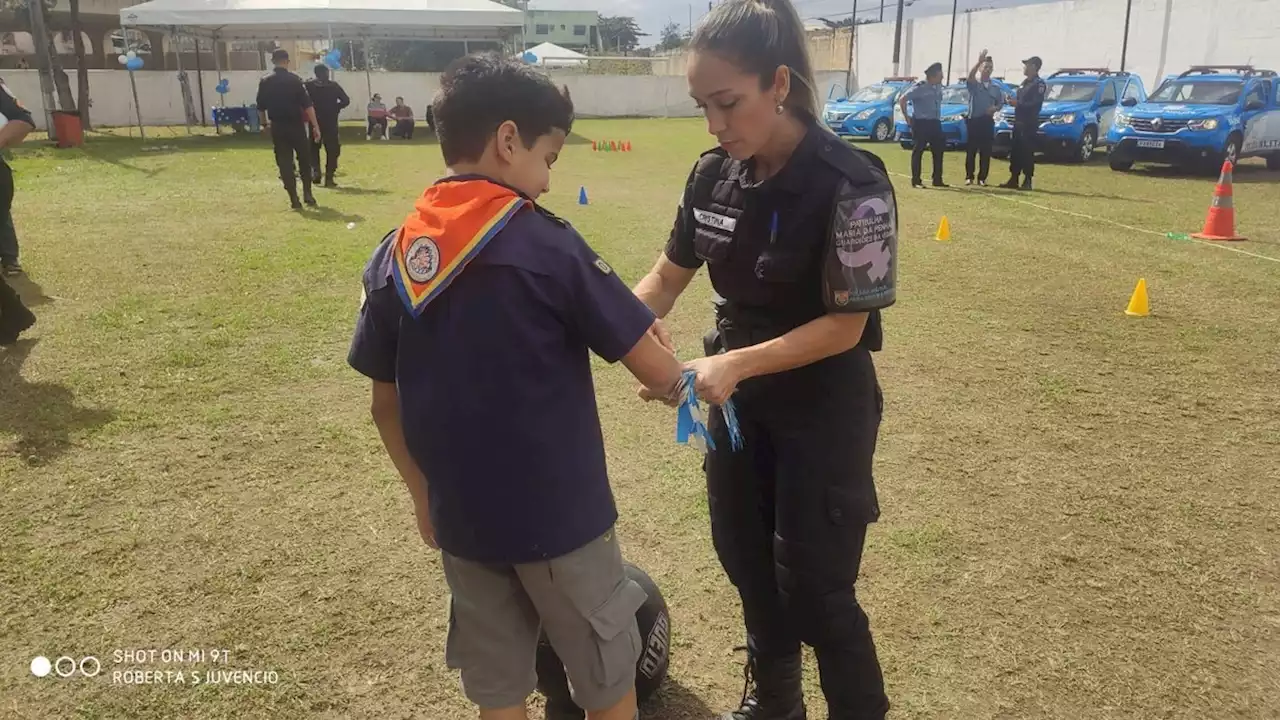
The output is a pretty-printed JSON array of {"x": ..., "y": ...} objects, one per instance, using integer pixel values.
[
  {"x": 579, "y": 29},
  {"x": 542, "y": 30}
]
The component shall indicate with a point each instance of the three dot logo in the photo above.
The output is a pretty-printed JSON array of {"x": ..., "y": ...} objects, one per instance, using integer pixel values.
[{"x": 66, "y": 667}]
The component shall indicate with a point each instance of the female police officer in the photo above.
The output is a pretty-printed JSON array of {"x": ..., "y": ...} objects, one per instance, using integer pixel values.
[{"x": 798, "y": 230}]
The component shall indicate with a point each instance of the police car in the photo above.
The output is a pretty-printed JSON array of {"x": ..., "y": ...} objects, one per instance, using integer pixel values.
[
  {"x": 1207, "y": 114},
  {"x": 1079, "y": 107},
  {"x": 869, "y": 113},
  {"x": 955, "y": 111}
]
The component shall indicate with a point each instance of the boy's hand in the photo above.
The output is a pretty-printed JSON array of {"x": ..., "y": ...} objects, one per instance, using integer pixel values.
[
  {"x": 649, "y": 395},
  {"x": 425, "y": 528}
]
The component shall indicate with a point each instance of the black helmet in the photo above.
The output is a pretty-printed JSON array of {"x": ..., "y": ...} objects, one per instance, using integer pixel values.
[{"x": 651, "y": 668}]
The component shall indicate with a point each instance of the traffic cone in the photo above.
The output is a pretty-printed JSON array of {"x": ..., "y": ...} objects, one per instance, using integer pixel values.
[
  {"x": 1220, "y": 222},
  {"x": 627, "y": 147},
  {"x": 944, "y": 230},
  {"x": 582, "y": 195},
  {"x": 593, "y": 146},
  {"x": 1138, "y": 305},
  {"x": 613, "y": 146}
]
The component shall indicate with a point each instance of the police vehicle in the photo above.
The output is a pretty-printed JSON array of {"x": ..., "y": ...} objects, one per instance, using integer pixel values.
[
  {"x": 955, "y": 111},
  {"x": 1079, "y": 107},
  {"x": 869, "y": 113},
  {"x": 1201, "y": 117}
]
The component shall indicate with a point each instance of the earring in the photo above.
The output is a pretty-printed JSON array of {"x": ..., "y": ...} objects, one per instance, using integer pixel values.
[{"x": 779, "y": 109}]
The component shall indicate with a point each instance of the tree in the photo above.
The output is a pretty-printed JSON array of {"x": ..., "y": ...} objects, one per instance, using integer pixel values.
[
  {"x": 620, "y": 33},
  {"x": 843, "y": 22},
  {"x": 82, "y": 66},
  {"x": 672, "y": 38}
]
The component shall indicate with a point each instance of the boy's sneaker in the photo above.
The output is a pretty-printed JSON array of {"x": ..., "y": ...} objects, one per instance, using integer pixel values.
[
  {"x": 968, "y": 181},
  {"x": 982, "y": 183}
]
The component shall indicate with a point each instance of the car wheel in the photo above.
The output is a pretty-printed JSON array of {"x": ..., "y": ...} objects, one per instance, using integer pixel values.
[
  {"x": 882, "y": 131},
  {"x": 1088, "y": 143},
  {"x": 1118, "y": 163}
]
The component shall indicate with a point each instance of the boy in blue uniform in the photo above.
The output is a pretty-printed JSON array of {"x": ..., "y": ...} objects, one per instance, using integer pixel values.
[{"x": 479, "y": 316}]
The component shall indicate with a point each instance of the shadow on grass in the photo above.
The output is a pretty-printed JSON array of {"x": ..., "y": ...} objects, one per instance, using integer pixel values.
[
  {"x": 29, "y": 290},
  {"x": 345, "y": 190},
  {"x": 42, "y": 414},
  {"x": 328, "y": 214},
  {"x": 1244, "y": 174},
  {"x": 675, "y": 702}
]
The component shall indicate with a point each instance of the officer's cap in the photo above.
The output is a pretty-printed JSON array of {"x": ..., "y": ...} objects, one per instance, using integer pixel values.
[{"x": 1034, "y": 60}]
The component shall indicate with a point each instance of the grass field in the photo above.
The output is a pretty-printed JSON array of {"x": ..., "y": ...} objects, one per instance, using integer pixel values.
[{"x": 1081, "y": 516}]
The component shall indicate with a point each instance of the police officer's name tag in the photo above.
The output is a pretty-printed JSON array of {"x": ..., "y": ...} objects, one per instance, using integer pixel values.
[
  {"x": 860, "y": 270},
  {"x": 720, "y": 222}
]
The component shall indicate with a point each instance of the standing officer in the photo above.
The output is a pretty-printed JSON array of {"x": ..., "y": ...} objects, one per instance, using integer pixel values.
[
  {"x": 1026, "y": 123},
  {"x": 985, "y": 99},
  {"x": 925, "y": 122},
  {"x": 329, "y": 99},
  {"x": 14, "y": 316},
  {"x": 283, "y": 98},
  {"x": 799, "y": 233}
]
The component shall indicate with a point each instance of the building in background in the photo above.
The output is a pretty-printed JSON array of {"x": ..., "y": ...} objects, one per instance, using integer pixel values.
[{"x": 573, "y": 29}]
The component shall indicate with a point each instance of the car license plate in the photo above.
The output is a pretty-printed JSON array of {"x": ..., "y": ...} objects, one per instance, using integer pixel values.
[{"x": 1151, "y": 144}]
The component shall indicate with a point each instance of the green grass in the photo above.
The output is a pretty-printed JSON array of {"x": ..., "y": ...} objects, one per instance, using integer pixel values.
[{"x": 1080, "y": 508}]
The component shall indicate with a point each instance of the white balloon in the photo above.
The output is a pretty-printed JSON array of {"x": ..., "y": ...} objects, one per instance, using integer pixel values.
[
  {"x": 131, "y": 54},
  {"x": 123, "y": 60}
]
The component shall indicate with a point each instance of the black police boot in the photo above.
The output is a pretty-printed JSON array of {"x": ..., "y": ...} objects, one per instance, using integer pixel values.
[
  {"x": 328, "y": 181},
  {"x": 1026, "y": 183},
  {"x": 771, "y": 690},
  {"x": 1012, "y": 184},
  {"x": 15, "y": 318},
  {"x": 293, "y": 198}
]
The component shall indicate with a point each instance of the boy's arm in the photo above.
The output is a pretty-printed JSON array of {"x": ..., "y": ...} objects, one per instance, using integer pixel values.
[
  {"x": 655, "y": 367},
  {"x": 386, "y": 416}
]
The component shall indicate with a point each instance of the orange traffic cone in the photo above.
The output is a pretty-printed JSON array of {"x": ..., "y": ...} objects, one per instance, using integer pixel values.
[
  {"x": 613, "y": 145},
  {"x": 627, "y": 148},
  {"x": 1220, "y": 223}
]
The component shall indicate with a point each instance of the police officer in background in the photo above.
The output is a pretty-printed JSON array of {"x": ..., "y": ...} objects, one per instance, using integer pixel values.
[
  {"x": 985, "y": 99},
  {"x": 925, "y": 122},
  {"x": 1026, "y": 123},
  {"x": 283, "y": 99},
  {"x": 14, "y": 316},
  {"x": 329, "y": 99},
  {"x": 799, "y": 233}
]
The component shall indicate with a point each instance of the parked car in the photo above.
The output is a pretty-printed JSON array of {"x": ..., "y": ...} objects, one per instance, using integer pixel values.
[
  {"x": 1079, "y": 106},
  {"x": 1200, "y": 118},
  {"x": 955, "y": 111},
  {"x": 869, "y": 113}
]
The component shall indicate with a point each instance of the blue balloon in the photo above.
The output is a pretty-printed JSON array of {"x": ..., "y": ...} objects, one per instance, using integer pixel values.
[
  {"x": 530, "y": 58},
  {"x": 134, "y": 63}
]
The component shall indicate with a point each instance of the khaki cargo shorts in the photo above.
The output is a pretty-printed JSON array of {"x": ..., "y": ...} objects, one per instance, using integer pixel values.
[{"x": 583, "y": 601}]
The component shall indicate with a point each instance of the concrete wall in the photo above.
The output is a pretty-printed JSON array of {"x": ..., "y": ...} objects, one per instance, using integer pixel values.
[
  {"x": 1165, "y": 37},
  {"x": 161, "y": 99}
]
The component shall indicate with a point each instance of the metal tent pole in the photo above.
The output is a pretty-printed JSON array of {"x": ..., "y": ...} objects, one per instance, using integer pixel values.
[{"x": 183, "y": 88}]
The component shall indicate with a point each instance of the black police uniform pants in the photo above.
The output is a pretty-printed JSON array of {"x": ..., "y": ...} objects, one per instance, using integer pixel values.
[
  {"x": 927, "y": 133},
  {"x": 11, "y": 308},
  {"x": 1022, "y": 157},
  {"x": 293, "y": 141},
  {"x": 332, "y": 149},
  {"x": 982, "y": 135},
  {"x": 789, "y": 515}
]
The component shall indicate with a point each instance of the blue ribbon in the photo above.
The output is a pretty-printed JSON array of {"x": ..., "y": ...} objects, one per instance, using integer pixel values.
[{"x": 691, "y": 419}]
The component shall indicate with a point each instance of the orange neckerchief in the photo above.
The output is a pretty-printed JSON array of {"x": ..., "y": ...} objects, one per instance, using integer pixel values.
[{"x": 452, "y": 222}]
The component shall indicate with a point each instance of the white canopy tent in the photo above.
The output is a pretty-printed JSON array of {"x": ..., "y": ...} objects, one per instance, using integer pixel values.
[
  {"x": 335, "y": 20},
  {"x": 552, "y": 55},
  {"x": 457, "y": 20}
]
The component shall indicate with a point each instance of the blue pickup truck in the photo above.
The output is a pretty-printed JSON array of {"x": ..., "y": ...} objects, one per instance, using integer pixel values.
[
  {"x": 955, "y": 111},
  {"x": 1079, "y": 106},
  {"x": 869, "y": 113},
  {"x": 1200, "y": 118}
]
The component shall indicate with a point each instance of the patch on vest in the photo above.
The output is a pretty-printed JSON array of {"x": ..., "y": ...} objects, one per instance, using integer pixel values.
[
  {"x": 710, "y": 219},
  {"x": 603, "y": 266},
  {"x": 864, "y": 241}
]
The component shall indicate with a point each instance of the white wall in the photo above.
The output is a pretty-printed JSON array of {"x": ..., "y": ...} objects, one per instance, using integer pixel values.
[
  {"x": 161, "y": 98},
  {"x": 1165, "y": 37}
]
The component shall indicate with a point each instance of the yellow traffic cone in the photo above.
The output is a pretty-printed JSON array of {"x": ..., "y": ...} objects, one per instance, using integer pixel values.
[
  {"x": 1138, "y": 306},
  {"x": 944, "y": 230}
]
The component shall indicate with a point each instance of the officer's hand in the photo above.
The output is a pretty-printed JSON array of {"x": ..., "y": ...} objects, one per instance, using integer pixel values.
[
  {"x": 266, "y": 128},
  {"x": 315, "y": 133},
  {"x": 718, "y": 377},
  {"x": 982, "y": 56},
  {"x": 659, "y": 332}
]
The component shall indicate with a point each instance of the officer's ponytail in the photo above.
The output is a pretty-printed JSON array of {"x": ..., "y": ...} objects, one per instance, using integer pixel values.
[{"x": 759, "y": 36}]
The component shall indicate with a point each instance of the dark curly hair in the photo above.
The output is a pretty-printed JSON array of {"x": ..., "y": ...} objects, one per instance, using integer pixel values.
[{"x": 480, "y": 92}]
